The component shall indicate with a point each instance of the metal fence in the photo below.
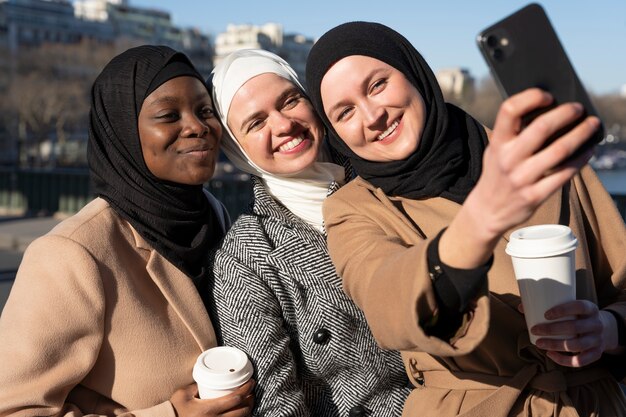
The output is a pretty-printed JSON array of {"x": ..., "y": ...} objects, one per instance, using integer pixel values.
[
  {"x": 45, "y": 192},
  {"x": 40, "y": 191}
]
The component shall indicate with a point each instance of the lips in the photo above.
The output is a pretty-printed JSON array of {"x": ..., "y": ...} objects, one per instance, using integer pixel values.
[
  {"x": 388, "y": 131},
  {"x": 202, "y": 146},
  {"x": 293, "y": 142},
  {"x": 287, "y": 146},
  {"x": 195, "y": 149}
]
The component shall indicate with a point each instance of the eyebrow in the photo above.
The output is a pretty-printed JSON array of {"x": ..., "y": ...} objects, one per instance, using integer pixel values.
[
  {"x": 364, "y": 84},
  {"x": 281, "y": 97},
  {"x": 171, "y": 100}
]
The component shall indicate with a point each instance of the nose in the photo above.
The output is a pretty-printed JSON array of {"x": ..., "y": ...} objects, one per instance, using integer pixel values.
[
  {"x": 280, "y": 124},
  {"x": 373, "y": 115},
  {"x": 195, "y": 127}
]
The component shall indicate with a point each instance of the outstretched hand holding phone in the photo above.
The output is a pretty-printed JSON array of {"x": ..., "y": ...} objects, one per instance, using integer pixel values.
[{"x": 523, "y": 51}]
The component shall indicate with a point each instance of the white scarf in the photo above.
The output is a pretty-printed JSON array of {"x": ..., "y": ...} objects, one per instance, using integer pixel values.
[{"x": 302, "y": 192}]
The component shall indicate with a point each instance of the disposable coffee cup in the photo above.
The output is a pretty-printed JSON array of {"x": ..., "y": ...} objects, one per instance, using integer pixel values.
[
  {"x": 220, "y": 370},
  {"x": 543, "y": 261}
]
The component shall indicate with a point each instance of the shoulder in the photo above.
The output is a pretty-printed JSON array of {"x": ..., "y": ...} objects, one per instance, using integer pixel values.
[
  {"x": 78, "y": 245},
  {"x": 96, "y": 219},
  {"x": 356, "y": 196},
  {"x": 246, "y": 239},
  {"x": 358, "y": 189},
  {"x": 96, "y": 230}
]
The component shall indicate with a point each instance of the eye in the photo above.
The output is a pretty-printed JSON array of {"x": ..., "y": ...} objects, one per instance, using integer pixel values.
[
  {"x": 377, "y": 85},
  {"x": 207, "y": 112},
  {"x": 292, "y": 101},
  {"x": 344, "y": 113},
  {"x": 255, "y": 125},
  {"x": 168, "y": 116}
]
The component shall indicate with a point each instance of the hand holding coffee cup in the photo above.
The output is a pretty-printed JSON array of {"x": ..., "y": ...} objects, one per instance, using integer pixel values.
[
  {"x": 220, "y": 370},
  {"x": 543, "y": 261}
]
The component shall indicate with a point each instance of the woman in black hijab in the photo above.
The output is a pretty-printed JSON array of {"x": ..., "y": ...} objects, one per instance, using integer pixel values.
[
  {"x": 104, "y": 317},
  {"x": 418, "y": 238}
]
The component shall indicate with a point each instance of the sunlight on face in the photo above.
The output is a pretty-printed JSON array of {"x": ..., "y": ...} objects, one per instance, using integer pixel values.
[
  {"x": 275, "y": 124},
  {"x": 372, "y": 106},
  {"x": 179, "y": 132}
]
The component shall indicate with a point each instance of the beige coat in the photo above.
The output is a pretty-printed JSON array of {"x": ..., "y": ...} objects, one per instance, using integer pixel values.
[
  {"x": 98, "y": 323},
  {"x": 378, "y": 245}
]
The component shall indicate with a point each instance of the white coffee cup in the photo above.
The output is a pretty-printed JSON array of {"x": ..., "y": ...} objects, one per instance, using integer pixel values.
[
  {"x": 543, "y": 261},
  {"x": 220, "y": 370}
]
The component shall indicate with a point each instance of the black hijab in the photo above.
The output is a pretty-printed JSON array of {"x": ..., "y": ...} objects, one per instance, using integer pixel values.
[
  {"x": 176, "y": 219},
  {"x": 448, "y": 160}
]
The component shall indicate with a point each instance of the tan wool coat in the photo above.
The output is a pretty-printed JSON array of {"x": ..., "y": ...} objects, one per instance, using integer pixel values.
[
  {"x": 98, "y": 323},
  {"x": 378, "y": 245}
]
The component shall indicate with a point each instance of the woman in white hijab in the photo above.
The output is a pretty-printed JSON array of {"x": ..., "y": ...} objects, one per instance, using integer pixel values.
[{"x": 275, "y": 291}]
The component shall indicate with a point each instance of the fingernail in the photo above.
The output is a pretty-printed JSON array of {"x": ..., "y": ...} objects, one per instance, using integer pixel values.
[
  {"x": 578, "y": 107},
  {"x": 594, "y": 122}
]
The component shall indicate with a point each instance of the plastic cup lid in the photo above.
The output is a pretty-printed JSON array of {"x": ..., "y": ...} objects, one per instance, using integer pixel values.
[
  {"x": 222, "y": 367},
  {"x": 541, "y": 241}
]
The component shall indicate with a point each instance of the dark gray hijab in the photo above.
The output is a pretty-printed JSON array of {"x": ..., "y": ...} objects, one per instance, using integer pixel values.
[{"x": 176, "y": 219}]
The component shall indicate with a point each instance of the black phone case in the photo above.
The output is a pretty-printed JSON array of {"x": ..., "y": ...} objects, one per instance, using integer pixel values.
[{"x": 524, "y": 51}]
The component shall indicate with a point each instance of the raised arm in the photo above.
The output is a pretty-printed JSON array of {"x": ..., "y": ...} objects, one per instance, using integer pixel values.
[{"x": 518, "y": 175}]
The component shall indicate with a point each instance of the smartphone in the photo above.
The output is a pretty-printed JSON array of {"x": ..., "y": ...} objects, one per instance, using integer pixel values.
[{"x": 523, "y": 51}]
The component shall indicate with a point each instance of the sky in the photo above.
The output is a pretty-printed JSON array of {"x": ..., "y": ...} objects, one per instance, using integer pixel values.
[{"x": 593, "y": 32}]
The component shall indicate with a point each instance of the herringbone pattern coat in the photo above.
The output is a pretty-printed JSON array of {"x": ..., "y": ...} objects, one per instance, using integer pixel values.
[{"x": 277, "y": 297}]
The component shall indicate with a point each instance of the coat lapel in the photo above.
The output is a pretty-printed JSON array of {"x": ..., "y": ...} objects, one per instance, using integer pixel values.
[
  {"x": 181, "y": 293},
  {"x": 299, "y": 250}
]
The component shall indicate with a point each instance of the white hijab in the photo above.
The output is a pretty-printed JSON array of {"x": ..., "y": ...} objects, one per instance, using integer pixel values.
[{"x": 302, "y": 192}]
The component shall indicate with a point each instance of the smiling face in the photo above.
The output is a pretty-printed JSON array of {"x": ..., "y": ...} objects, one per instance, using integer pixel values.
[
  {"x": 275, "y": 124},
  {"x": 179, "y": 132},
  {"x": 372, "y": 106}
]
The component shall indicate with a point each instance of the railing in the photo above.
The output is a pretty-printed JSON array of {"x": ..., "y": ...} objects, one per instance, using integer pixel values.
[{"x": 42, "y": 191}]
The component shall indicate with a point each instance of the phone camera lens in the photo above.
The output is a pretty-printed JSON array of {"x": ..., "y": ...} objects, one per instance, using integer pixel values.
[
  {"x": 492, "y": 41},
  {"x": 497, "y": 54}
]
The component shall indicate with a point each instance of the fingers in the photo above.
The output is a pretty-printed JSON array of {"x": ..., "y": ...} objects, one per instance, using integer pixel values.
[
  {"x": 245, "y": 409},
  {"x": 239, "y": 403},
  {"x": 509, "y": 118},
  {"x": 530, "y": 140},
  {"x": 246, "y": 389},
  {"x": 575, "y": 361},
  {"x": 571, "y": 308},
  {"x": 235, "y": 403},
  {"x": 553, "y": 155},
  {"x": 580, "y": 339}
]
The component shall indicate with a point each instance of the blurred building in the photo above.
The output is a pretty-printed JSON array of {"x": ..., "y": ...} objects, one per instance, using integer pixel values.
[
  {"x": 28, "y": 27},
  {"x": 30, "y": 23},
  {"x": 141, "y": 25},
  {"x": 294, "y": 48},
  {"x": 456, "y": 84}
]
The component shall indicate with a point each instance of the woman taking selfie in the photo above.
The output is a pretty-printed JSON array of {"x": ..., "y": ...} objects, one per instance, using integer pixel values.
[
  {"x": 276, "y": 293},
  {"x": 418, "y": 238},
  {"x": 104, "y": 317}
]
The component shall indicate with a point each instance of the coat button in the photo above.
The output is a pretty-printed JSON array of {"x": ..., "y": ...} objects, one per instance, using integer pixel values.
[
  {"x": 321, "y": 336},
  {"x": 357, "y": 411}
]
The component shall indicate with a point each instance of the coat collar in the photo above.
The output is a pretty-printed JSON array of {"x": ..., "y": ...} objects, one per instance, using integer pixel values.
[
  {"x": 180, "y": 292},
  {"x": 298, "y": 249}
]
